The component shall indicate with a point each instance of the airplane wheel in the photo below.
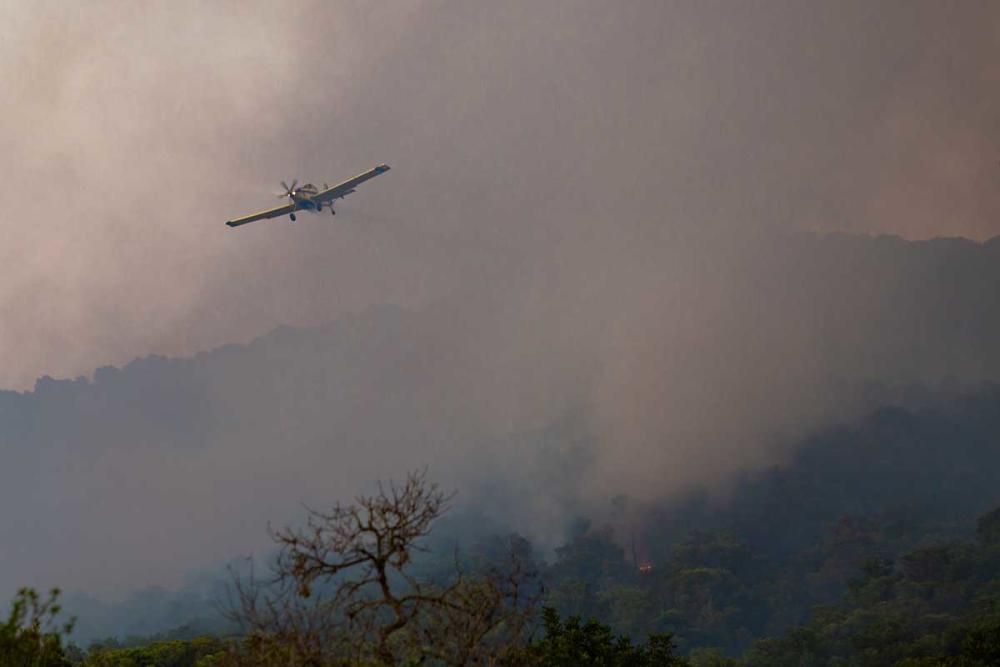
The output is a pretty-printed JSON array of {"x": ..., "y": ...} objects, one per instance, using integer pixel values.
[
  {"x": 332, "y": 212},
  {"x": 292, "y": 216}
]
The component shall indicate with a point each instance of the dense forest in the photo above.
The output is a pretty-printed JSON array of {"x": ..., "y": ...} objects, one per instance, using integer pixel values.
[{"x": 876, "y": 543}]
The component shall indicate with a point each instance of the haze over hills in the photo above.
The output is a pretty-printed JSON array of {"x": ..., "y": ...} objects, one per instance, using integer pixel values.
[
  {"x": 565, "y": 138},
  {"x": 599, "y": 295},
  {"x": 147, "y": 472},
  {"x": 900, "y": 484}
]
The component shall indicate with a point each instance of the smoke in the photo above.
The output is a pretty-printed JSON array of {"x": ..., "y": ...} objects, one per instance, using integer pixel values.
[
  {"x": 590, "y": 208},
  {"x": 521, "y": 134}
]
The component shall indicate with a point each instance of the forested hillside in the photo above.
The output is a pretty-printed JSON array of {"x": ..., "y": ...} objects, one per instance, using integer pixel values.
[
  {"x": 873, "y": 543},
  {"x": 179, "y": 464},
  {"x": 889, "y": 492}
]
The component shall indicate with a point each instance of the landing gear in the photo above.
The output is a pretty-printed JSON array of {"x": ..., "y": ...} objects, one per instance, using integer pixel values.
[
  {"x": 332, "y": 212},
  {"x": 292, "y": 216}
]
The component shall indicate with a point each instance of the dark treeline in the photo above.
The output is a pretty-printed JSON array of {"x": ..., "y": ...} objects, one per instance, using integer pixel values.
[
  {"x": 873, "y": 544},
  {"x": 901, "y": 492}
]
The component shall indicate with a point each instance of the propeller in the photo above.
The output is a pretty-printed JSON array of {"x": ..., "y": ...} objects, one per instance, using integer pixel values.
[{"x": 289, "y": 189}]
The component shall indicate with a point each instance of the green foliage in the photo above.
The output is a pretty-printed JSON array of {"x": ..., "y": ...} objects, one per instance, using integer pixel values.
[
  {"x": 988, "y": 528},
  {"x": 939, "y": 607},
  {"x": 856, "y": 541},
  {"x": 711, "y": 657},
  {"x": 982, "y": 643},
  {"x": 31, "y": 636},
  {"x": 573, "y": 643},
  {"x": 199, "y": 652},
  {"x": 586, "y": 566},
  {"x": 699, "y": 594},
  {"x": 873, "y": 603}
]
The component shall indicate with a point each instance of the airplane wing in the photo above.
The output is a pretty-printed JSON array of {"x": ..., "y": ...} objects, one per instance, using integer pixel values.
[
  {"x": 263, "y": 215},
  {"x": 347, "y": 187}
]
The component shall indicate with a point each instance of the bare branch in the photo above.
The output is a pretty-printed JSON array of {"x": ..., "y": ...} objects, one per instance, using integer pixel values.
[{"x": 342, "y": 591}]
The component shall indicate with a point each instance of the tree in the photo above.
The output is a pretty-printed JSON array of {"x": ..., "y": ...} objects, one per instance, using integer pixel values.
[
  {"x": 988, "y": 528},
  {"x": 575, "y": 643},
  {"x": 31, "y": 636},
  {"x": 198, "y": 652},
  {"x": 589, "y": 562},
  {"x": 344, "y": 591},
  {"x": 982, "y": 644}
]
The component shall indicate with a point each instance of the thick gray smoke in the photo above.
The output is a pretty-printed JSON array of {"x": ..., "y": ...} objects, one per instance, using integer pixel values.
[
  {"x": 590, "y": 210},
  {"x": 527, "y": 135}
]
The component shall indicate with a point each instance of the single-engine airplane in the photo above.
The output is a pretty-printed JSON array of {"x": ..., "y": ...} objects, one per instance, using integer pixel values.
[{"x": 310, "y": 198}]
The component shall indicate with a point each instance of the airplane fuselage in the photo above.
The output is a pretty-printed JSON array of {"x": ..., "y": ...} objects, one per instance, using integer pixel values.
[{"x": 301, "y": 198}]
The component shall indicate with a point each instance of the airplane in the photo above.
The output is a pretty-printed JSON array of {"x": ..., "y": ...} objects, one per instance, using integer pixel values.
[{"x": 310, "y": 198}]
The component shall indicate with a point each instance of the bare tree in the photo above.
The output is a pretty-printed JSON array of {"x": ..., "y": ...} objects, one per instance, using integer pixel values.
[
  {"x": 490, "y": 612},
  {"x": 344, "y": 592}
]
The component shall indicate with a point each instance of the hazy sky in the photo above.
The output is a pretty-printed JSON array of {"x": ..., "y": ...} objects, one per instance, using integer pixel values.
[
  {"x": 518, "y": 133},
  {"x": 587, "y": 204}
]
